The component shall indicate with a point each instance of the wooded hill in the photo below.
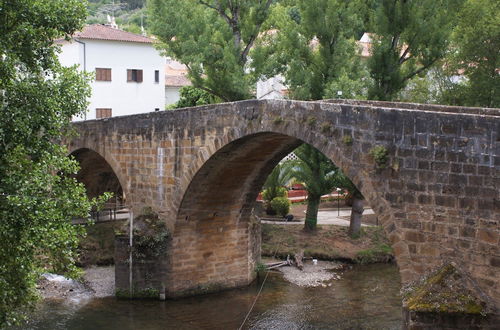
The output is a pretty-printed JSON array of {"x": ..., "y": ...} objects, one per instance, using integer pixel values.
[{"x": 129, "y": 14}]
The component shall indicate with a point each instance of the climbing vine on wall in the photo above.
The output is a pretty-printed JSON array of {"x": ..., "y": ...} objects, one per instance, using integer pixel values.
[{"x": 151, "y": 235}]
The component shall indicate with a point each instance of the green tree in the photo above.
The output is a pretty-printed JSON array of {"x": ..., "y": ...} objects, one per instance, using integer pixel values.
[
  {"x": 275, "y": 184},
  {"x": 213, "y": 39},
  {"x": 318, "y": 174},
  {"x": 409, "y": 38},
  {"x": 476, "y": 42},
  {"x": 37, "y": 195},
  {"x": 191, "y": 97},
  {"x": 342, "y": 181},
  {"x": 312, "y": 44}
]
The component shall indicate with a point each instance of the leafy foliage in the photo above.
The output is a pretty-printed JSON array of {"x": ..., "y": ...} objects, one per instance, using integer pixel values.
[
  {"x": 191, "y": 96},
  {"x": 317, "y": 172},
  {"x": 281, "y": 205},
  {"x": 213, "y": 39},
  {"x": 477, "y": 42},
  {"x": 276, "y": 181},
  {"x": 38, "y": 197},
  {"x": 410, "y": 37},
  {"x": 312, "y": 44},
  {"x": 151, "y": 236},
  {"x": 271, "y": 193},
  {"x": 379, "y": 154}
]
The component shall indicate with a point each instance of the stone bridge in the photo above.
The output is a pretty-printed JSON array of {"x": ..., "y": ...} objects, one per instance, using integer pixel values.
[{"x": 199, "y": 170}]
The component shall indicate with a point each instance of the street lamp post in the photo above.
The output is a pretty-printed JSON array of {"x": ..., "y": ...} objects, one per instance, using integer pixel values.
[{"x": 338, "y": 201}]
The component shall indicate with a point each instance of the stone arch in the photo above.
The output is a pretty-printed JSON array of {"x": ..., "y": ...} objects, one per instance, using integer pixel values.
[
  {"x": 214, "y": 222},
  {"x": 97, "y": 174}
]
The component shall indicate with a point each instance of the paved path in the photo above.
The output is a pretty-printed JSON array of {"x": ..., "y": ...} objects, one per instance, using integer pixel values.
[{"x": 327, "y": 217}]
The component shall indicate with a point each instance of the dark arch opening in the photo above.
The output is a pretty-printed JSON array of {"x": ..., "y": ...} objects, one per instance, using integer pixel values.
[
  {"x": 98, "y": 176},
  {"x": 233, "y": 176}
]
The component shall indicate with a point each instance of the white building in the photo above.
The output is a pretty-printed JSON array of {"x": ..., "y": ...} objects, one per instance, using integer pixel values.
[
  {"x": 175, "y": 79},
  {"x": 129, "y": 71},
  {"x": 271, "y": 88}
]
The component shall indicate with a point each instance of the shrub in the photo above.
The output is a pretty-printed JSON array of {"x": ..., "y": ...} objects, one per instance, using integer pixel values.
[
  {"x": 281, "y": 205},
  {"x": 347, "y": 139},
  {"x": 379, "y": 154},
  {"x": 269, "y": 194}
]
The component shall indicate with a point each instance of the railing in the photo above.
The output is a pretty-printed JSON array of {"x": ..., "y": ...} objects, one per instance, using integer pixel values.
[{"x": 109, "y": 212}]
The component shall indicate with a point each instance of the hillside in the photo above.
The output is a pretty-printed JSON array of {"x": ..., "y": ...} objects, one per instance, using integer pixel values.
[{"x": 129, "y": 14}]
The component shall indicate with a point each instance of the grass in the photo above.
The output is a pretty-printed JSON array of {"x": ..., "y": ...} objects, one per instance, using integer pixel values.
[{"x": 326, "y": 243}]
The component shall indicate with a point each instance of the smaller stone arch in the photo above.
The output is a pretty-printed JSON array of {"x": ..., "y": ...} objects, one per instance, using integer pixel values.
[{"x": 98, "y": 175}]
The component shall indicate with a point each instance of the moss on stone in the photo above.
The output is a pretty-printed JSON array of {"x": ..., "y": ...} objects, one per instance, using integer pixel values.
[
  {"x": 148, "y": 293},
  {"x": 444, "y": 291},
  {"x": 201, "y": 289},
  {"x": 278, "y": 120}
]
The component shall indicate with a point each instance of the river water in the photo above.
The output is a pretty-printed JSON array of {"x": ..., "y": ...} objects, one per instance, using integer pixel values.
[{"x": 366, "y": 297}]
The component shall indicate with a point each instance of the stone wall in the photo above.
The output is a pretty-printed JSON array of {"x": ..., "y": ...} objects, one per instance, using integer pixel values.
[{"x": 200, "y": 169}]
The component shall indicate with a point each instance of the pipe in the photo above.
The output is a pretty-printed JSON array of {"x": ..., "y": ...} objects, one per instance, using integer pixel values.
[
  {"x": 84, "y": 54},
  {"x": 131, "y": 243},
  {"x": 84, "y": 64}
]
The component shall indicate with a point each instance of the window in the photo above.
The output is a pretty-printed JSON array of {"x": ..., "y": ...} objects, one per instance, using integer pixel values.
[
  {"x": 157, "y": 76},
  {"x": 102, "y": 74},
  {"x": 134, "y": 75},
  {"x": 102, "y": 113}
]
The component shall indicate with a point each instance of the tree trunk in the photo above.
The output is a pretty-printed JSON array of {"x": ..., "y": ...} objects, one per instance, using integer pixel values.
[
  {"x": 312, "y": 212},
  {"x": 356, "y": 216}
]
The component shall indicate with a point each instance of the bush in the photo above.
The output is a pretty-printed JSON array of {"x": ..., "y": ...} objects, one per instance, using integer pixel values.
[
  {"x": 379, "y": 154},
  {"x": 270, "y": 194},
  {"x": 281, "y": 205}
]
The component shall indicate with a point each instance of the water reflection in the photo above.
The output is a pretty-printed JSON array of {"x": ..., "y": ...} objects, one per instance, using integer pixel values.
[{"x": 367, "y": 297}]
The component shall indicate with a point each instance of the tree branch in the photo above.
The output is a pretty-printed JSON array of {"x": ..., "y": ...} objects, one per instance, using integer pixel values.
[
  {"x": 211, "y": 91},
  {"x": 403, "y": 57},
  {"x": 206, "y": 89},
  {"x": 395, "y": 40},
  {"x": 217, "y": 9},
  {"x": 423, "y": 68},
  {"x": 254, "y": 35}
]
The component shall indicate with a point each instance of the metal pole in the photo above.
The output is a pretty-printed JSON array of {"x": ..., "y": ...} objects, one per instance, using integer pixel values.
[
  {"x": 131, "y": 243},
  {"x": 338, "y": 204}
]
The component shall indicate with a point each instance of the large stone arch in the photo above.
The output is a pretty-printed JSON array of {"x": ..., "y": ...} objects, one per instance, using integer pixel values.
[{"x": 213, "y": 220}]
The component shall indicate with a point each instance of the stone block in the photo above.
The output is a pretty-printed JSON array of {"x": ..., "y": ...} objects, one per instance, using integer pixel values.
[
  {"x": 488, "y": 236},
  {"x": 467, "y": 232},
  {"x": 414, "y": 236}
]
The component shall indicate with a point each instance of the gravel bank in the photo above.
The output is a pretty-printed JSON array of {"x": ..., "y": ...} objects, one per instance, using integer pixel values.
[
  {"x": 100, "y": 280},
  {"x": 313, "y": 275},
  {"x": 97, "y": 282}
]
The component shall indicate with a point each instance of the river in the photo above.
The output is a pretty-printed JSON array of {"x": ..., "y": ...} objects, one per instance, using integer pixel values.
[{"x": 366, "y": 297}]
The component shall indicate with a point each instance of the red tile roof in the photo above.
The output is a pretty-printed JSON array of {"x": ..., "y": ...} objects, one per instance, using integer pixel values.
[
  {"x": 104, "y": 32},
  {"x": 176, "y": 81}
]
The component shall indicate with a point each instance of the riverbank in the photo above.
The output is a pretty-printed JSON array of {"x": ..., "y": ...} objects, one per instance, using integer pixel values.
[
  {"x": 328, "y": 242},
  {"x": 96, "y": 282}
]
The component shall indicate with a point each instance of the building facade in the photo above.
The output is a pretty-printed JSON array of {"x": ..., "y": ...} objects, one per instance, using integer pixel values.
[
  {"x": 128, "y": 71},
  {"x": 175, "y": 79}
]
